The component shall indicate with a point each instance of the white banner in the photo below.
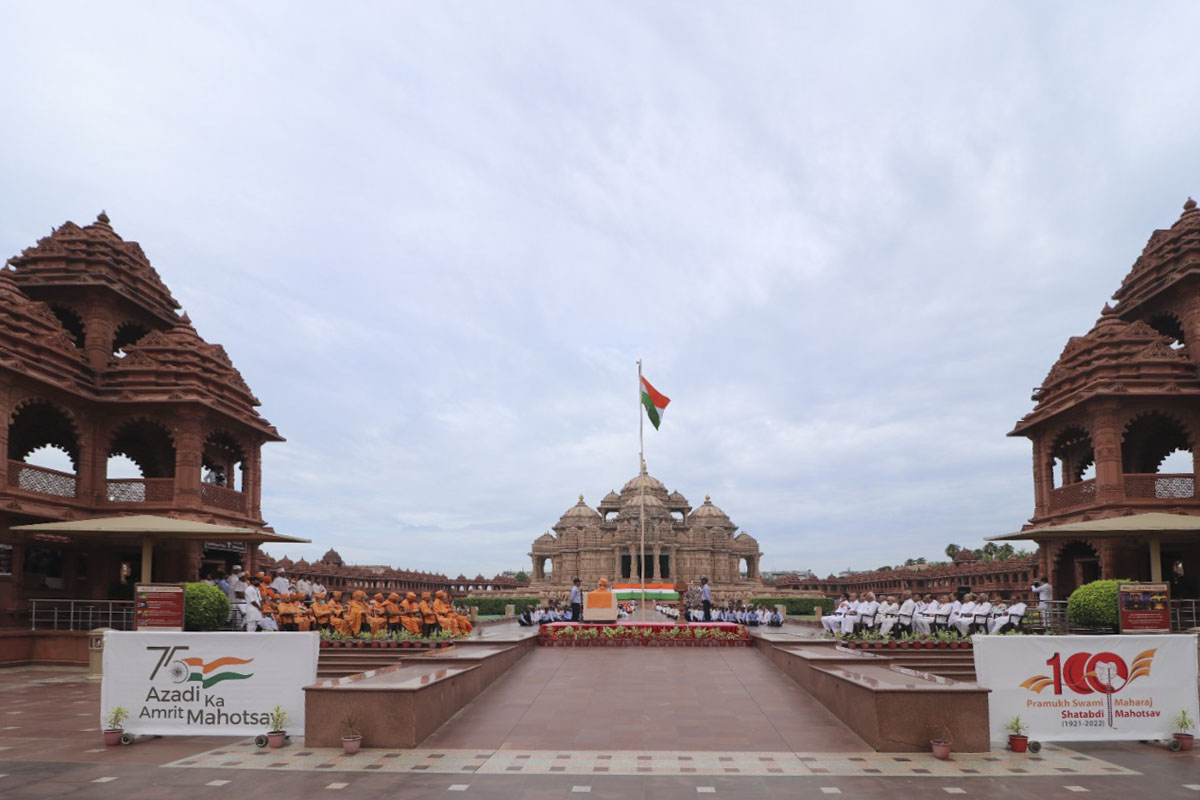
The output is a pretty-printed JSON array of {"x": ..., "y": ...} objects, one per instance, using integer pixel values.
[
  {"x": 207, "y": 683},
  {"x": 1088, "y": 687}
]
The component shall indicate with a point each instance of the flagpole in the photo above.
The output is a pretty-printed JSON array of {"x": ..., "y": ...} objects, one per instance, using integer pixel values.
[{"x": 642, "y": 495}]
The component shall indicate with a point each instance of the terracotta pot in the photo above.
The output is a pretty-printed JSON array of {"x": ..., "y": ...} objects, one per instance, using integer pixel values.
[
  {"x": 892, "y": 645},
  {"x": 1186, "y": 740},
  {"x": 1018, "y": 744},
  {"x": 940, "y": 749},
  {"x": 275, "y": 739},
  {"x": 326, "y": 643},
  {"x": 350, "y": 744},
  {"x": 112, "y": 736},
  {"x": 905, "y": 645}
]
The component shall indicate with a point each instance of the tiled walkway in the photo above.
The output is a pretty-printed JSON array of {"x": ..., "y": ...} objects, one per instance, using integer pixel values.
[
  {"x": 602, "y": 699},
  {"x": 50, "y": 747}
]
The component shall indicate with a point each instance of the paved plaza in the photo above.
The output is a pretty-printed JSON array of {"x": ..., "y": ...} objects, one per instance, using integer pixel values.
[{"x": 608, "y": 723}]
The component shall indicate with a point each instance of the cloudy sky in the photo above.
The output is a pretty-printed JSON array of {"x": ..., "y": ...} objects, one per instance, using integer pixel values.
[{"x": 846, "y": 239}]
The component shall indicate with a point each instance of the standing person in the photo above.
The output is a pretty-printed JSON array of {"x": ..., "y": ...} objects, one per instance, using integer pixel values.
[
  {"x": 253, "y": 610},
  {"x": 280, "y": 584},
  {"x": 681, "y": 589},
  {"x": 1044, "y": 592},
  {"x": 576, "y": 601},
  {"x": 706, "y": 599}
]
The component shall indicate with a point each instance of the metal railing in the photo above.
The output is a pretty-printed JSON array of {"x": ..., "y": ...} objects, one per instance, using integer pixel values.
[
  {"x": 1053, "y": 618},
  {"x": 81, "y": 615},
  {"x": 1185, "y": 614}
]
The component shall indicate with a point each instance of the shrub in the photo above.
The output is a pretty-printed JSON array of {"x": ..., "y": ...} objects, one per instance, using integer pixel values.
[
  {"x": 1094, "y": 604},
  {"x": 205, "y": 607},
  {"x": 495, "y": 605},
  {"x": 796, "y": 606}
]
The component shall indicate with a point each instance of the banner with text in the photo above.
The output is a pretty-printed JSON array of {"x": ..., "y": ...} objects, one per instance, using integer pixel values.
[
  {"x": 207, "y": 683},
  {"x": 1088, "y": 687}
]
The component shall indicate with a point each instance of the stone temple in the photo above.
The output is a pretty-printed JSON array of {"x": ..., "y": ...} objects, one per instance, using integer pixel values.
[{"x": 603, "y": 542}]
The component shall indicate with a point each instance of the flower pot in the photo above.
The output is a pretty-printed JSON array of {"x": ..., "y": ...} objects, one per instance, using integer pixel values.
[
  {"x": 325, "y": 643},
  {"x": 350, "y": 744},
  {"x": 941, "y": 749},
  {"x": 275, "y": 739},
  {"x": 1186, "y": 740},
  {"x": 112, "y": 736},
  {"x": 892, "y": 645},
  {"x": 1018, "y": 744}
]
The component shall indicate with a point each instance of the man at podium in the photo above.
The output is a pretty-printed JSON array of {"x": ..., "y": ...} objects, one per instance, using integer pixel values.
[{"x": 601, "y": 604}]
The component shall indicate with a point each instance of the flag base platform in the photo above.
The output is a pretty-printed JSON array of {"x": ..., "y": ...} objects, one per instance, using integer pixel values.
[{"x": 643, "y": 634}]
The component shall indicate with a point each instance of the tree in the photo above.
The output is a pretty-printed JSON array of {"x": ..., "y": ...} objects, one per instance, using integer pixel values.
[
  {"x": 522, "y": 576},
  {"x": 952, "y": 550}
]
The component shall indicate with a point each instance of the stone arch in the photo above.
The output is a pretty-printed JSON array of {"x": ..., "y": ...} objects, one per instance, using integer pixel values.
[
  {"x": 36, "y": 422},
  {"x": 1149, "y": 437},
  {"x": 127, "y": 333},
  {"x": 72, "y": 322},
  {"x": 1073, "y": 564},
  {"x": 147, "y": 442},
  {"x": 1071, "y": 453},
  {"x": 224, "y": 455},
  {"x": 1170, "y": 325}
]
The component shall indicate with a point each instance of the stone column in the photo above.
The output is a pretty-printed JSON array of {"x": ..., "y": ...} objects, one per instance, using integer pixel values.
[
  {"x": 189, "y": 447},
  {"x": 91, "y": 468},
  {"x": 5, "y": 413},
  {"x": 1106, "y": 444},
  {"x": 252, "y": 482},
  {"x": 616, "y": 566},
  {"x": 1043, "y": 478},
  {"x": 654, "y": 562},
  {"x": 99, "y": 329}
]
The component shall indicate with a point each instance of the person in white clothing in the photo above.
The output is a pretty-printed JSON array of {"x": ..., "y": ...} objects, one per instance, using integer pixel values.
[
  {"x": 983, "y": 611},
  {"x": 253, "y": 610},
  {"x": 304, "y": 588},
  {"x": 280, "y": 583},
  {"x": 889, "y": 614},
  {"x": 1011, "y": 619},
  {"x": 832, "y": 622},
  {"x": 926, "y": 616},
  {"x": 965, "y": 616},
  {"x": 1044, "y": 592},
  {"x": 906, "y": 612},
  {"x": 864, "y": 613}
]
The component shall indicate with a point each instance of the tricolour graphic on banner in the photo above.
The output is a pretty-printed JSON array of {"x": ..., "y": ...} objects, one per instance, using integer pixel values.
[
  {"x": 1088, "y": 687},
  {"x": 207, "y": 683}
]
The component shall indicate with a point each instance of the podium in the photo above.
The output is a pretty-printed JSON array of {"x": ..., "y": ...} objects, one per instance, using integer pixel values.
[{"x": 600, "y": 605}]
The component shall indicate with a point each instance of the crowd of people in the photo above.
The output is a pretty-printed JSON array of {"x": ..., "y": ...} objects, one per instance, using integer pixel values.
[
  {"x": 562, "y": 612},
  {"x": 260, "y": 602},
  {"x": 923, "y": 614},
  {"x": 742, "y": 614}
]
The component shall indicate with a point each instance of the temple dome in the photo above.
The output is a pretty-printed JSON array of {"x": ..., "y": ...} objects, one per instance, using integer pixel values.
[
  {"x": 644, "y": 482},
  {"x": 709, "y": 512},
  {"x": 611, "y": 499},
  {"x": 580, "y": 512}
]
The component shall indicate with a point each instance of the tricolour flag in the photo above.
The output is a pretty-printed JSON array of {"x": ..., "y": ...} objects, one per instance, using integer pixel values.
[
  {"x": 655, "y": 403},
  {"x": 654, "y": 591}
]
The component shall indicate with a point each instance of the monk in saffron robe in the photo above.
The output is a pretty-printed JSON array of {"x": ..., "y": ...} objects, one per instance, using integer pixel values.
[
  {"x": 286, "y": 609},
  {"x": 445, "y": 613},
  {"x": 376, "y": 616},
  {"x": 358, "y": 612},
  {"x": 321, "y": 612},
  {"x": 429, "y": 620},
  {"x": 411, "y": 614},
  {"x": 304, "y": 618},
  {"x": 461, "y": 620},
  {"x": 393, "y": 612},
  {"x": 338, "y": 615}
]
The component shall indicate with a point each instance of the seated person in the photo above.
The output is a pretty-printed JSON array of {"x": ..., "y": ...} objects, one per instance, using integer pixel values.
[
  {"x": 863, "y": 616},
  {"x": 926, "y": 617},
  {"x": 965, "y": 617},
  {"x": 889, "y": 615},
  {"x": 776, "y": 619},
  {"x": 1013, "y": 615},
  {"x": 832, "y": 622},
  {"x": 980, "y": 615}
]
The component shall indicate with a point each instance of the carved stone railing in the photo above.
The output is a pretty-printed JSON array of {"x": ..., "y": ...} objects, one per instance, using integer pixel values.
[
  {"x": 29, "y": 478},
  {"x": 1159, "y": 487},
  {"x": 220, "y": 497},
  {"x": 141, "y": 490},
  {"x": 1073, "y": 494}
]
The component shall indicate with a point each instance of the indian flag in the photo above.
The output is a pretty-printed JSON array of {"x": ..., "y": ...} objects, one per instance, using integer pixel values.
[
  {"x": 655, "y": 403},
  {"x": 654, "y": 591}
]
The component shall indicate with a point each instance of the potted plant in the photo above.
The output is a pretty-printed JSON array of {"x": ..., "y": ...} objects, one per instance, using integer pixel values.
[
  {"x": 1018, "y": 734},
  {"x": 941, "y": 745},
  {"x": 1183, "y": 724},
  {"x": 351, "y": 739},
  {"x": 276, "y": 734},
  {"x": 113, "y": 729}
]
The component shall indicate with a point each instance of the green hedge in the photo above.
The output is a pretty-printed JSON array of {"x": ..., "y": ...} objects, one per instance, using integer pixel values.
[
  {"x": 795, "y": 606},
  {"x": 205, "y": 607},
  {"x": 1094, "y": 604},
  {"x": 495, "y": 605}
]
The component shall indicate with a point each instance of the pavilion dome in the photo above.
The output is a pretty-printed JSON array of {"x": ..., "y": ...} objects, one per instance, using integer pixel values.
[
  {"x": 1169, "y": 255},
  {"x": 580, "y": 513},
  {"x": 709, "y": 513},
  {"x": 611, "y": 499},
  {"x": 643, "y": 483}
]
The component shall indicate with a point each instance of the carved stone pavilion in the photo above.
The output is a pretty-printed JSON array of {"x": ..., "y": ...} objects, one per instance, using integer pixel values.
[
  {"x": 96, "y": 362},
  {"x": 1118, "y": 401},
  {"x": 604, "y": 542}
]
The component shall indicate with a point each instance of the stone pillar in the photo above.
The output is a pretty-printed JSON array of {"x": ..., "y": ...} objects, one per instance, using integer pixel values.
[
  {"x": 654, "y": 562},
  {"x": 616, "y": 566},
  {"x": 189, "y": 447},
  {"x": 1106, "y": 443},
  {"x": 1043, "y": 478},
  {"x": 5, "y": 413},
  {"x": 252, "y": 482},
  {"x": 91, "y": 468},
  {"x": 99, "y": 329}
]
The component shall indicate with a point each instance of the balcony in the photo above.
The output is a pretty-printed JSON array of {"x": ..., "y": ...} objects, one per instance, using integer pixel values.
[
  {"x": 141, "y": 490},
  {"x": 1139, "y": 487},
  {"x": 42, "y": 480}
]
